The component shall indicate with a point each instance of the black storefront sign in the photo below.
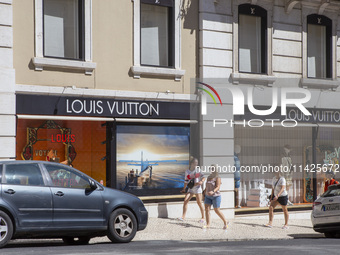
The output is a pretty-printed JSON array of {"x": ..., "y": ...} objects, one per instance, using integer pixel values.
[{"x": 100, "y": 107}]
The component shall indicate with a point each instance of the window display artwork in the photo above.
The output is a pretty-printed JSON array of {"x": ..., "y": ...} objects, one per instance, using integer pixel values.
[
  {"x": 45, "y": 133},
  {"x": 152, "y": 158},
  {"x": 75, "y": 143}
]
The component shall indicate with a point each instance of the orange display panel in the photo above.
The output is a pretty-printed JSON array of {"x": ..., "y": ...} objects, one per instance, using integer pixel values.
[{"x": 75, "y": 142}]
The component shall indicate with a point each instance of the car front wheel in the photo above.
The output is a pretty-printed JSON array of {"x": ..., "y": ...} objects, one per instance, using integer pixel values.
[
  {"x": 6, "y": 229},
  {"x": 122, "y": 226}
]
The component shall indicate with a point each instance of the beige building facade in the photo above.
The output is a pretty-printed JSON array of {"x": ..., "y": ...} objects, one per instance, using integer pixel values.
[{"x": 103, "y": 86}]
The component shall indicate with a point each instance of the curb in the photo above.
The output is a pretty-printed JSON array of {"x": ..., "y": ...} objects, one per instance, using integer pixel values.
[{"x": 236, "y": 240}]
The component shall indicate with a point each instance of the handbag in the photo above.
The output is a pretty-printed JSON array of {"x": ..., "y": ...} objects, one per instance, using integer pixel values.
[
  {"x": 191, "y": 183},
  {"x": 270, "y": 197}
]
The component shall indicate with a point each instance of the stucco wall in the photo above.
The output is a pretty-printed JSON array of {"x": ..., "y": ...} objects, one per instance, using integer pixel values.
[{"x": 112, "y": 51}]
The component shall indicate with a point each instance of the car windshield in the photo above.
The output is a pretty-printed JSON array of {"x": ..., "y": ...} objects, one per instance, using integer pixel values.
[{"x": 332, "y": 192}]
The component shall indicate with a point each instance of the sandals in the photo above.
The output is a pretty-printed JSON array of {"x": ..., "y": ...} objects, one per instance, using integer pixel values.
[
  {"x": 225, "y": 227},
  {"x": 285, "y": 227},
  {"x": 267, "y": 225},
  {"x": 180, "y": 219},
  {"x": 201, "y": 221}
]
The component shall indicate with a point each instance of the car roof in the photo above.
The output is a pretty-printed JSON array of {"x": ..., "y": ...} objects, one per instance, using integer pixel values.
[
  {"x": 334, "y": 186},
  {"x": 9, "y": 162},
  {"x": 27, "y": 162}
]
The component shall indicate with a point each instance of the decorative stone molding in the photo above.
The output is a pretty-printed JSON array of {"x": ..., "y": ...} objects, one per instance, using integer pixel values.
[
  {"x": 319, "y": 84},
  {"x": 157, "y": 71},
  {"x": 256, "y": 79},
  {"x": 41, "y": 63}
]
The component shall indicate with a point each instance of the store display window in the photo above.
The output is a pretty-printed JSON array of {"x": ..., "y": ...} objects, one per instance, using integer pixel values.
[
  {"x": 262, "y": 151},
  {"x": 151, "y": 160},
  {"x": 76, "y": 143}
]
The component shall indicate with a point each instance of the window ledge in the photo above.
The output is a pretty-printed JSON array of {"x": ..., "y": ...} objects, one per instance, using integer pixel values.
[
  {"x": 249, "y": 78},
  {"x": 157, "y": 71},
  {"x": 41, "y": 63},
  {"x": 320, "y": 83}
]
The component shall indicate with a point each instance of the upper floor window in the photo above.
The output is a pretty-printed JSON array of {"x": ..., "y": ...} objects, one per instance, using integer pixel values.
[
  {"x": 156, "y": 29},
  {"x": 63, "y": 35},
  {"x": 64, "y": 29},
  {"x": 157, "y": 38},
  {"x": 252, "y": 43},
  {"x": 319, "y": 46}
]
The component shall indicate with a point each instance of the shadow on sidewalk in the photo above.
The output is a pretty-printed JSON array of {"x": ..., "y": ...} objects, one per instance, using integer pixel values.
[
  {"x": 249, "y": 224},
  {"x": 184, "y": 224},
  {"x": 307, "y": 236},
  {"x": 299, "y": 226}
]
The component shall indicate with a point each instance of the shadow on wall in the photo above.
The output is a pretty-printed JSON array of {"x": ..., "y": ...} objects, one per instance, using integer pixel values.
[
  {"x": 189, "y": 16},
  {"x": 188, "y": 13}
]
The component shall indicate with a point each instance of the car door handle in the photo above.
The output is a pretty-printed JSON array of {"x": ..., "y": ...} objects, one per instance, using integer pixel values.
[
  {"x": 10, "y": 191},
  {"x": 59, "y": 194}
]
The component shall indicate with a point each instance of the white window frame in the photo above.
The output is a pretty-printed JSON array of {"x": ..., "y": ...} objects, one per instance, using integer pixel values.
[
  {"x": 137, "y": 69},
  {"x": 316, "y": 83},
  {"x": 40, "y": 62},
  {"x": 251, "y": 78}
]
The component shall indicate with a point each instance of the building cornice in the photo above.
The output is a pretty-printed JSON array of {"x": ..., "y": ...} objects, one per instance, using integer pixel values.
[{"x": 102, "y": 93}]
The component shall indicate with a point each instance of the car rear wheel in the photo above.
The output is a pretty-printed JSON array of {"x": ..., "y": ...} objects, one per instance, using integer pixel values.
[
  {"x": 330, "y": 234},
  {"x": 75, "y": 241},
  {"x": 6, "y": 229},
  {"x": 122, "y": 226}
]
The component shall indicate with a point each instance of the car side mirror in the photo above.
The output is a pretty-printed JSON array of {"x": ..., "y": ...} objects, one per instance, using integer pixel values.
[{"x": 93, "y": 185}]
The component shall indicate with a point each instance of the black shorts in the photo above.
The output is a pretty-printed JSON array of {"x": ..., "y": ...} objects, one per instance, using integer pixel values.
[{"x": 283, "y": 200}]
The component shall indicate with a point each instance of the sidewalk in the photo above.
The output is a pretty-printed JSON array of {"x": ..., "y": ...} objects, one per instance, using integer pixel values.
[
  {"x": 242, "y": 228},
  {"x": 248, "y": 227}
]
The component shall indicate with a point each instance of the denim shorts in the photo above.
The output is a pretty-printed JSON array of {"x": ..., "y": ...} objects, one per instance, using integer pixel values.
[{"x": 215, "y": 201}]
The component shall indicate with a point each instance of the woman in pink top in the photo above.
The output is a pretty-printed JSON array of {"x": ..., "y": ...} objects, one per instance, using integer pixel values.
[{"x": 213, "y": 197}]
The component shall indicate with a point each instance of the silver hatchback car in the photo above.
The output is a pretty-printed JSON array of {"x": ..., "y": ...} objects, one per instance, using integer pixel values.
[{"x": 326, "y": 212}]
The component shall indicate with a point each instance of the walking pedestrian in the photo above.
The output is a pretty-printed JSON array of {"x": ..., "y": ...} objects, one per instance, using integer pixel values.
[
  {"x": 278, "y": 196},
  {"x": 196, "y": 190},
  {"x": 213, "y": 197}
]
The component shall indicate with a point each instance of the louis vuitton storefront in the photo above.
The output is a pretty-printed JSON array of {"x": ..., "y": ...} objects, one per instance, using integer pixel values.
[
  {"x": 141, "y": 147},
  {"x": 305, "y": 152}
]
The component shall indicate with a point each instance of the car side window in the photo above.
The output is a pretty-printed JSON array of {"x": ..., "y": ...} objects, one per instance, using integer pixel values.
[
  {"x": 0, "y": 173},
  {"x": 63, "y": 177},
  {"x": 23, "y": 174},
  {"x": 332, "y": 193}
]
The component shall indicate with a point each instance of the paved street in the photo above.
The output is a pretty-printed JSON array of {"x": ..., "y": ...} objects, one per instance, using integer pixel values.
[
  {"x": 310, "y": 246},
  {"x": 246, "y": 235}
]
